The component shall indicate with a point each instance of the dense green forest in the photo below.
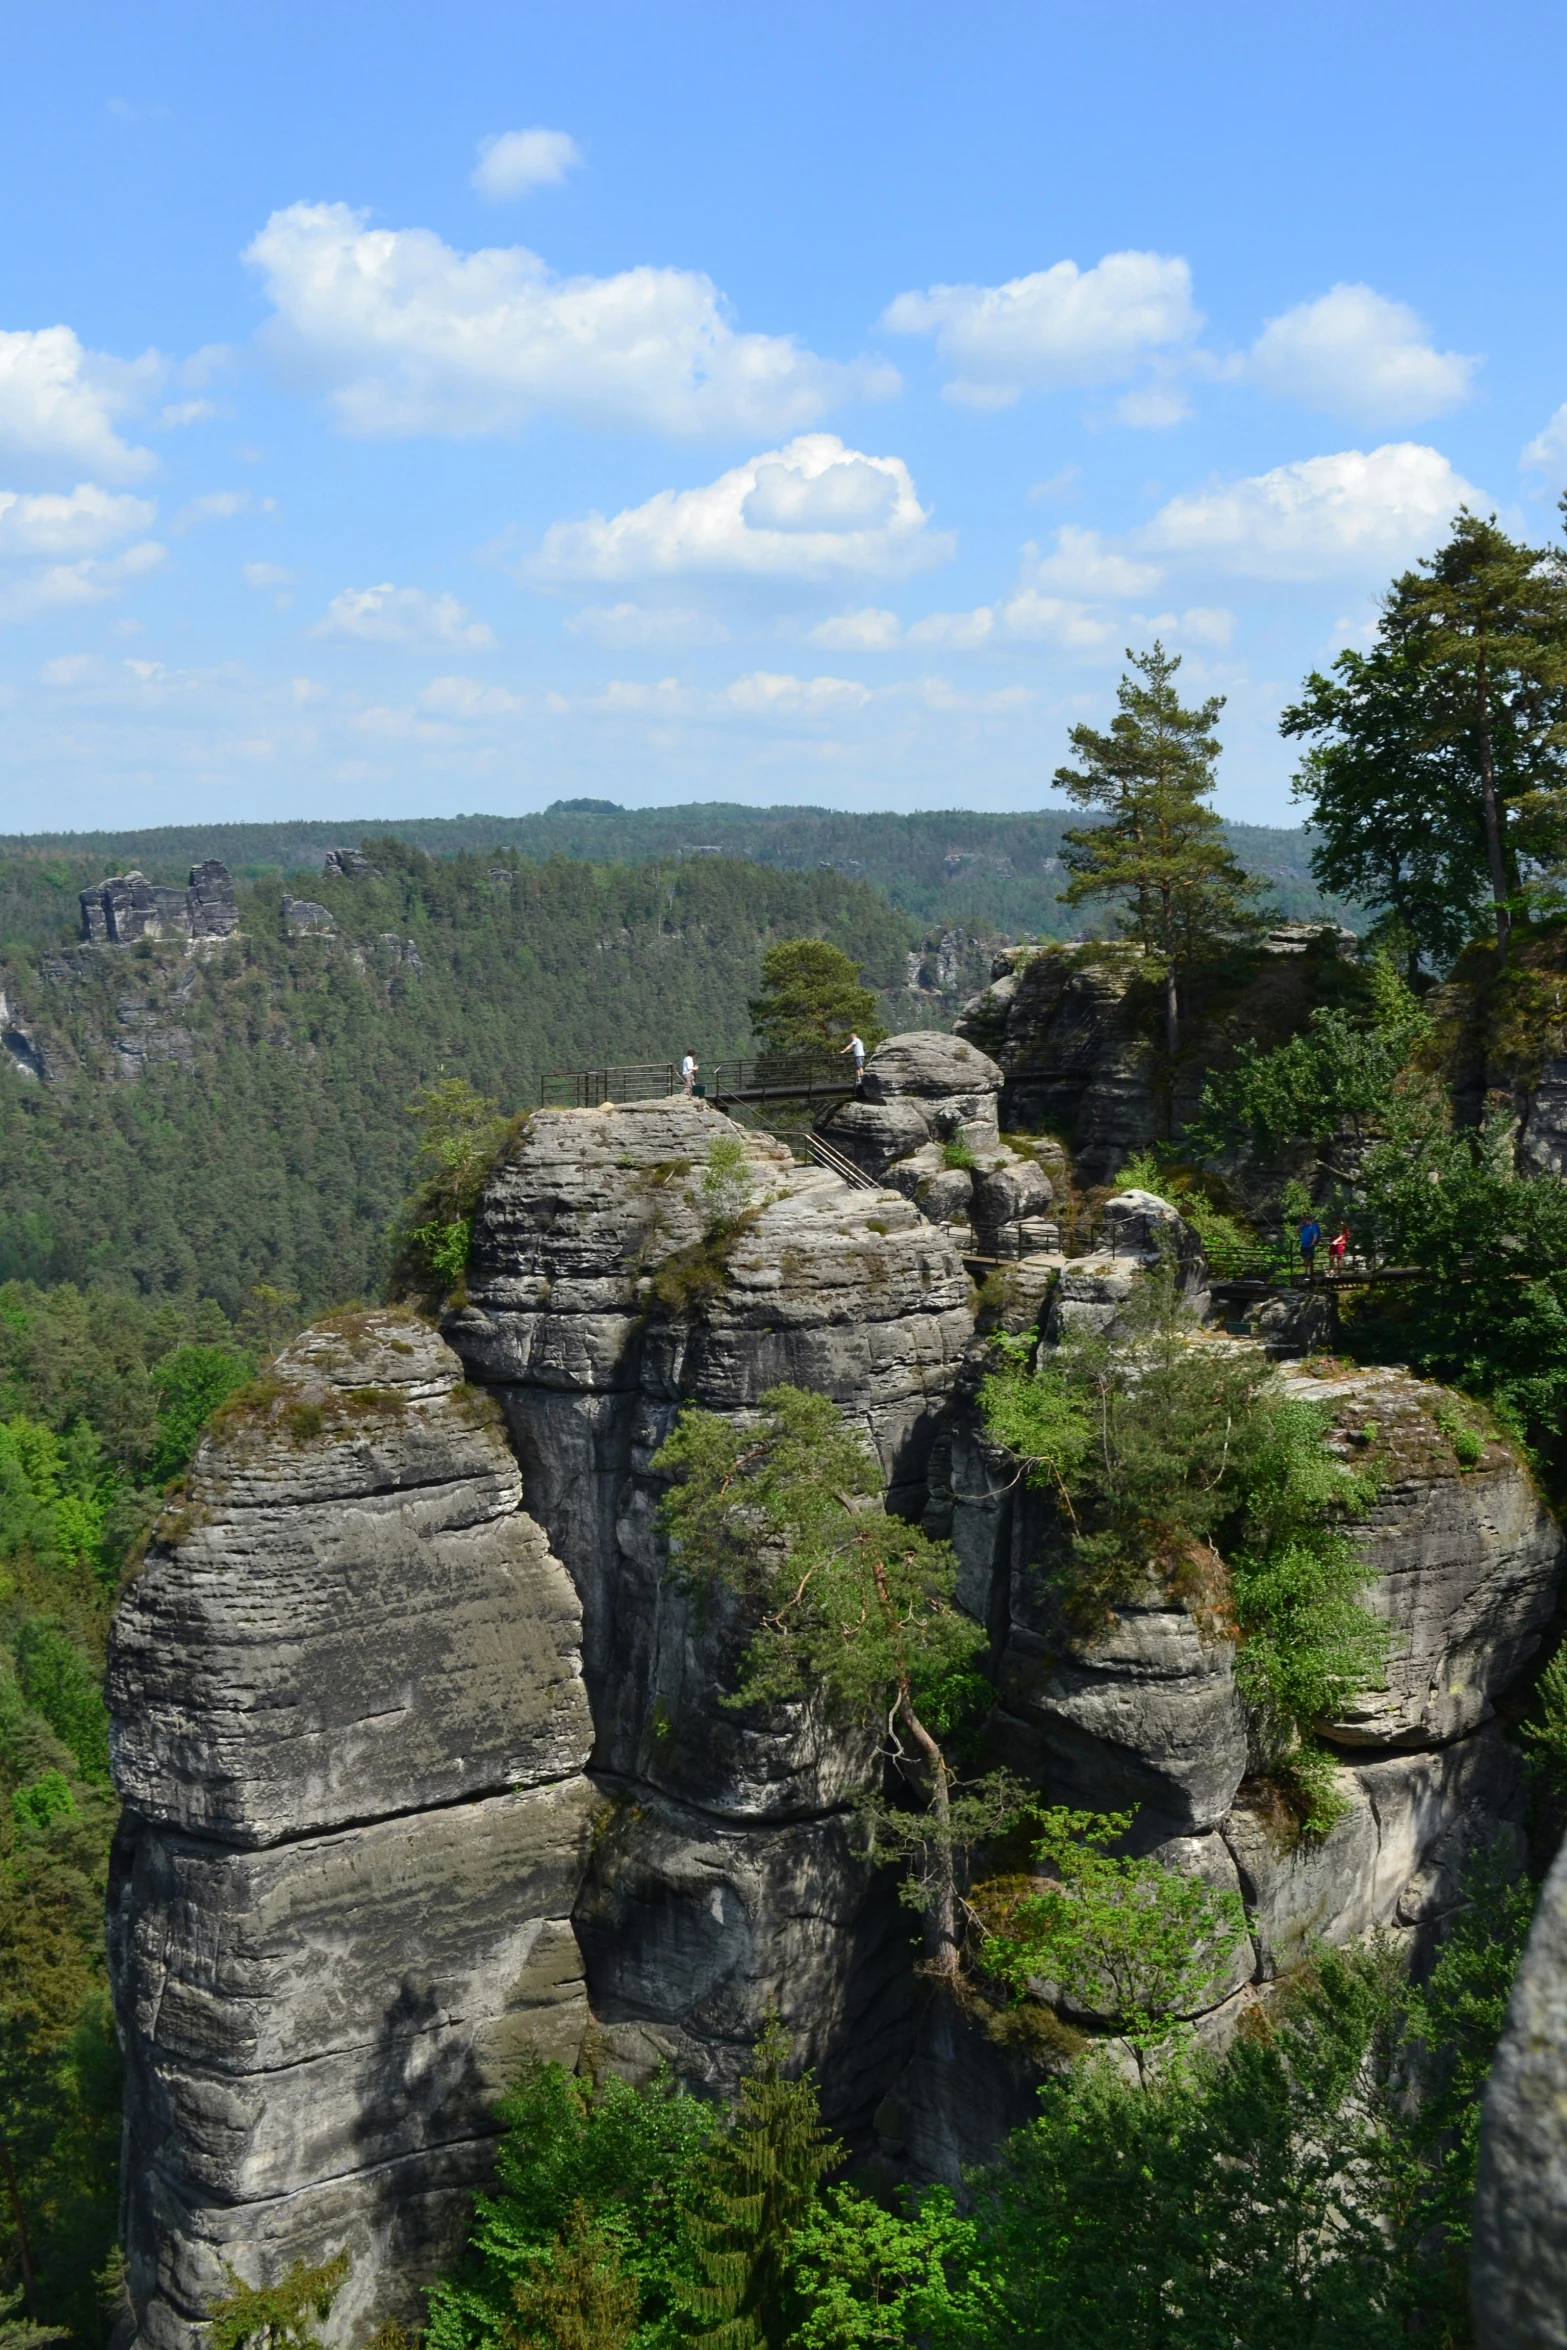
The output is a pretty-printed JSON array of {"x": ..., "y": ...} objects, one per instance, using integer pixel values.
[
  {"x": 102, "y": 1398},
  {"x": 951, "y": 868},
  {"x": 258, "y": 1130}
]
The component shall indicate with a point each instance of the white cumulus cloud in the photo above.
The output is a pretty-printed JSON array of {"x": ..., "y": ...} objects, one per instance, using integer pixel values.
[
  {"x": 1082, "y": 564},
  {"x": 1547, "y": 452},
  {"x": 406, "y": 335},
  {"x": 57, "y": 587},
  {"x": 58, "y": 403},
  {"x": 515, "y": 161},
  {"x": 74, "y": 523},
  {"x": 1058, "y": 327},
  {"x": 867, "y": 631},
  {"x": 809, "y": 510},
  {"x": 1357, "y": 354},
  {"x": 391, "y": 615},
  {"x": 1356, "y": 511}
]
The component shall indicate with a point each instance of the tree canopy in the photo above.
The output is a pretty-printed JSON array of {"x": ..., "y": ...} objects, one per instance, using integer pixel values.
[
  {"x": 1437, "y": 762},
  {"x": 813, "y": 997}
]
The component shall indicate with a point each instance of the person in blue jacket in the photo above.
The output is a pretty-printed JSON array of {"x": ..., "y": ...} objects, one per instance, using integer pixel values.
[{"x": 1310, "y": 1234}]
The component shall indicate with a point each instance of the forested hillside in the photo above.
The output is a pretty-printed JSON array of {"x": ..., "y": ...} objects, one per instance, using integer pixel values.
[
  {"x": 948, "y": 868},
  {"x": 234, "y": 1114}
]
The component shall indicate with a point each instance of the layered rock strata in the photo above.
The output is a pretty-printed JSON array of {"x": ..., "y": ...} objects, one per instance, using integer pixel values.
[
  {"x": 349, "y": 1724},
  {"x": 601, "y": 1302}
]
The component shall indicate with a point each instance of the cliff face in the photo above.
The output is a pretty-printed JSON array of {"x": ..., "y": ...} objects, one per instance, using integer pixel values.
[
  {"x": 725, "y": 1885},
  {"x": 417, "y": 1776},
  {"x": 349, "y": 1724}
]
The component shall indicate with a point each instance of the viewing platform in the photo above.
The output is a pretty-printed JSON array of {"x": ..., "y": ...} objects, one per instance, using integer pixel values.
[{"x": 770, "y": 1078}]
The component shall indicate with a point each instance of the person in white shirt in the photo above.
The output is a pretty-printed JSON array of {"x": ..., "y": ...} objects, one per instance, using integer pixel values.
[
  {"x": 856, "y": 1046},
  {"x": 688, "y": 1073}
]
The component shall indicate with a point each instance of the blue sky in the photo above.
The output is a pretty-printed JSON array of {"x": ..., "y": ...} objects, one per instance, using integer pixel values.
[{"x": 407, "y": 410}]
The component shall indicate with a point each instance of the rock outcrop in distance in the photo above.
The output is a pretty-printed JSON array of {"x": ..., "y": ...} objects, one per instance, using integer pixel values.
[
  {"x": 426, "y": 1762},
  {"x": 128, "y": 906}
]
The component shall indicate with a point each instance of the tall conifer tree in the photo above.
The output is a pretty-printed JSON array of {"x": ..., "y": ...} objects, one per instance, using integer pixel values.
[
  {"x": 1160, "y": 852},
  {"x": 757, "y": 2183}
]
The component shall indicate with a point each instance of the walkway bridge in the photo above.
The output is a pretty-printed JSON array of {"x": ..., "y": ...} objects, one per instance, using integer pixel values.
[{"x": 770, "y": 1078}]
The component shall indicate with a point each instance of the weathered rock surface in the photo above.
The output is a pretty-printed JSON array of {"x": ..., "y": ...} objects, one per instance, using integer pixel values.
[
  {"x": 596, "y": 1310},
  {"x": 1519, "y": 2271},
  {"x": 1465, "y": 1569},
  {"x": 1395, "y": 1859},
  {"x": 1466, "y": 1559},
  {"x": 928, "y": 1099},
  {"x": 349, "y": 1724},
  {"x": 128, "y": 906}
]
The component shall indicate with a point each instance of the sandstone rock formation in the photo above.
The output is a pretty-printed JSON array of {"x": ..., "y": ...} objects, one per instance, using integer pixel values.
[
  {"x": 597, "y": 1305},
  {"x": 366, "y": 1710},
  {"x": 925, "y": 1123},
  {"x": 1520, "y": 2247},
  {"x": 1466, "y": 1567},
  {"x": 129, "y": 906},
  {"x": 349, "y": 1724}
]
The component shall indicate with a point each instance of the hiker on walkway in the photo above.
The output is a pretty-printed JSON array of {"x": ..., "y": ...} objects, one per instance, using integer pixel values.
[
  {"x": 688, "y": 1068},
  {"x": 1336, "y": 1248},
  {"x": 1309, "y": 1235},
  {"x": 856, "y": 1046}
]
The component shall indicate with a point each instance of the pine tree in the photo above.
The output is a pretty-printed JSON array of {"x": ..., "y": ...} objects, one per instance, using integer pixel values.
[
  {"x": 1491, "y": 622},
  {"x": 812, "y": 998},
  {"x": 1160, "y": 851},
  {"x": 757, "y": 2183}
]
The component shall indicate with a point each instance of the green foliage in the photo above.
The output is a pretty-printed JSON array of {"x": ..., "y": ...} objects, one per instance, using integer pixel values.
[
  {"x": 864, "y": 2277},
  {"x": 578, "y": 2295},
  {"x": 787, "y": 1516},
  {"x": 812, "y": 998},
  {"x": 1308, "y": 1644},
  {"x": 1337, "y": 1077},
  {"x": 847, "y": 1609},
  {"x": 1136, "y": 1436},
  {"x": 190, "y": 1384},
  {"x": 99, "y": 1392},
  {"x": 58, "y": 1682},
  {"x": 1129, "y": 1941},
  {"x": 725, "y": 1187},
  {"x": 1438, "y": 763},
  {"x": 461, "y": 1136},
  {"x": 1490, "y": 1315},
  {"x": 626, "y": 2158},
  {"x": 953, "y": 869},
  {"x": 958, "y": 1151},
  {"x": 278, "y": 2317},
  {"x": 1159, "y": 852},
  {"x": 754, "y": 2183},
  {"x": 1159, "y": 1447},
  {"x": 1309, "y": 2191}
]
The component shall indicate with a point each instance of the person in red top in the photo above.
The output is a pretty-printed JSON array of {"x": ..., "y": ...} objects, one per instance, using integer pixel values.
[{"x": 1336, "y": 1247}]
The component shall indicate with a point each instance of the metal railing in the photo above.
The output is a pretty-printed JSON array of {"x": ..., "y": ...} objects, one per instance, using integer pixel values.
[
  {"x": 590, "y": 1089},
  {"x": 777, "y": 1077},
  {"x": 767, "y": 1077},
  {"x": 836, "y": 1164}
]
